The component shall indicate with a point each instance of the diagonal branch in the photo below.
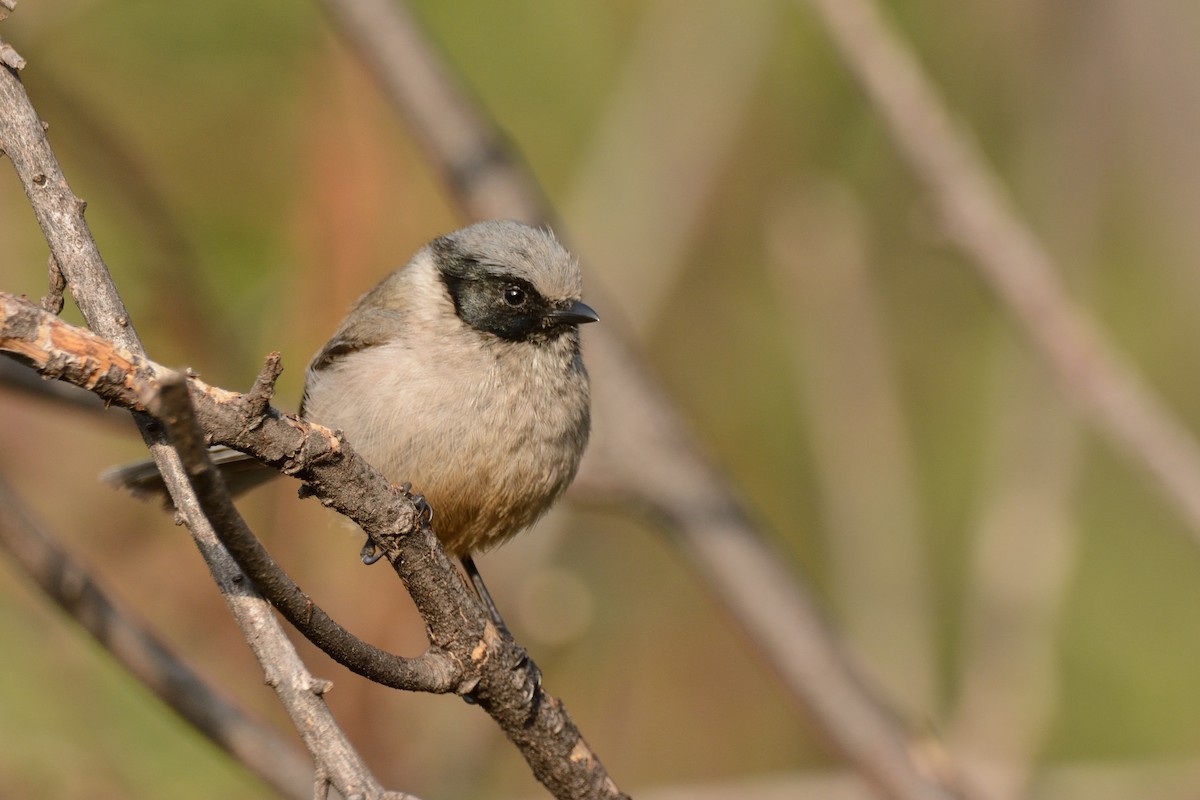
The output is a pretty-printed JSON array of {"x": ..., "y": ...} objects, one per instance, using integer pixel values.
[
  {"x": 478, "y": 164},
  {"x": 494, "y": 671},
  {"x": 59, "y": 213},
  {"x": 432, "y": 672}
]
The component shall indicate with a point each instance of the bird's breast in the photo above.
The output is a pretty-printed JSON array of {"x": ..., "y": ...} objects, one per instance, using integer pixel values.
[{"x": 490, "y": 437}]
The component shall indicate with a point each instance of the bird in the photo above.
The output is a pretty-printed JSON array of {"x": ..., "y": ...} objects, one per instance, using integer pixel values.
[{"x": 461, "y": 375}]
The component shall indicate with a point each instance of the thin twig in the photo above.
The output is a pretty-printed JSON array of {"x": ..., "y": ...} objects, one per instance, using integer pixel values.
[
  {"x": 60, "y": 214},
  {"x": 263, "y": 751},
  {"x": 170, "y": 403},
  {"x": 671, "y": 476},
  {"x": 10, "y": 58},
  {"x": 1009, "y": 257},
  {"x": 432, "y": 672}
]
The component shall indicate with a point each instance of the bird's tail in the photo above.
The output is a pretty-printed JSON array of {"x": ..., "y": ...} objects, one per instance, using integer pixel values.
[{"x": 142, "y": 479}]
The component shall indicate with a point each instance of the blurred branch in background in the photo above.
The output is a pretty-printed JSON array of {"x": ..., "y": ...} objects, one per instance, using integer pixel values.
[
  {"x": 978, "y": 216},
  {"x": 17, "y": 377},
  {"x": 866, "y": 468},
  {"x": 480, "y": 167},
  {"x": 1022, "y": 562}
]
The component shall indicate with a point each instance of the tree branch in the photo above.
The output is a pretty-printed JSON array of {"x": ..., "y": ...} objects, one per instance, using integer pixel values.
[
  {"x": 60, "y": 214},
  {"x": 499, "y": 676},
  {"x": 432, "y": 672},
  {"x": 494, "y": 671}
]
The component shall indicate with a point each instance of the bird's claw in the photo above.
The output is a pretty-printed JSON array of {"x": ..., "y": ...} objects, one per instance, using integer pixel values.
[
  {"x": 532, "y": 675},
  {"x": 370, "y": 553},
  {"x": 424, "y": 510},
  {"x": 524, "y": 673}
]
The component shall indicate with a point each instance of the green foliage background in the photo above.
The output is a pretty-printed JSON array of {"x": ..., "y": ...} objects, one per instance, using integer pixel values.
[{"x": 246, "y": 181}]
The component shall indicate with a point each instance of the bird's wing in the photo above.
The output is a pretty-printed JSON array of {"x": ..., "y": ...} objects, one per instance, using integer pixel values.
[{"x": 363, "y": 332}]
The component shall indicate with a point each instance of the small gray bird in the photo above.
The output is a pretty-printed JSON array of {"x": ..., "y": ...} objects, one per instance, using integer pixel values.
[{"x": 461, "y": 374}]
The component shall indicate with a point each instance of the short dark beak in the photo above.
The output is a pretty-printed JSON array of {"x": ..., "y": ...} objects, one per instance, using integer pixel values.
[{"x": 575, "y": 314}]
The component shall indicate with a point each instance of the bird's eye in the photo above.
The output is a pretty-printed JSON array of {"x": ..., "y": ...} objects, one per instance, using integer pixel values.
[{"x": 515, "y": 296}]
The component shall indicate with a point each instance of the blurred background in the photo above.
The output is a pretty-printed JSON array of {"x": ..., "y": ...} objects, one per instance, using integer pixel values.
[{"x": 1010, "y": 581}]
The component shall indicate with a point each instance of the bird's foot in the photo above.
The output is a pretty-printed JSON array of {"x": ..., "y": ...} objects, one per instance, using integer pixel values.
[
  {"x": 424, "y": 510},
  {"x": 523, "y": 673},
  {"x": 530, "y": 676},
  {"x": 370, "y": 553}
]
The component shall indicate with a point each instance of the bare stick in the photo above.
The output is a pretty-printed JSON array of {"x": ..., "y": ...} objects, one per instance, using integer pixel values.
[
  {"x": 60, "y": 214},
  {"x": 493, "y": 670},
  {"x": 303, "y": 694},
  {"x": 670, "y": 476},
  {"x": 980, "y": 218},
  {"x": 258, "y": 746},
  {"x": 432, "y": 672},
  {"x": 505, "y": 682},
  {"x": 9, "y": 57}
]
